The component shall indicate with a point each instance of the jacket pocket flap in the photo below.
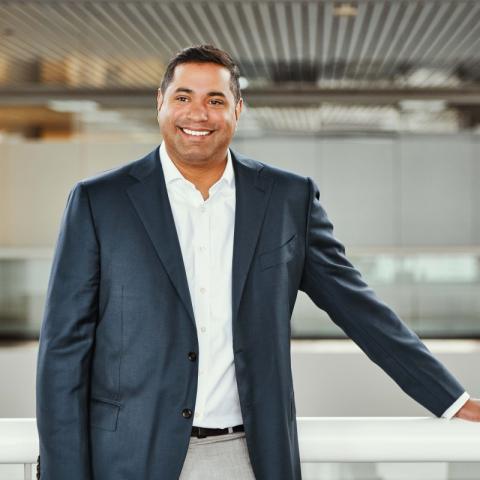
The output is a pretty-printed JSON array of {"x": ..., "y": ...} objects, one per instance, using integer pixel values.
[
  {"x": 104, "y": 414},
  {"x": 280, "y": 254}
]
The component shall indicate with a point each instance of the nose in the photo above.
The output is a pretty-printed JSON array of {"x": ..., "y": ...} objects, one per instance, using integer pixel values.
[{"x": 197, "y": 112}]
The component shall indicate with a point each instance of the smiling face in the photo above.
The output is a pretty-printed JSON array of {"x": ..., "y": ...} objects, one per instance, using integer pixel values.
[{"x": 197, "y": 114}]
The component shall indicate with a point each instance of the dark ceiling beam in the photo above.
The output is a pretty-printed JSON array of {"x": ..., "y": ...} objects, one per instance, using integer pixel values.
[
  {"x": 305, "y": 96},
  {"x": 281, "y": 95}
]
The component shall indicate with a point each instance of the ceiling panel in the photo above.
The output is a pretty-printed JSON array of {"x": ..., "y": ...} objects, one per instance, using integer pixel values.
[
  {"x": 333, "y": 44},
  {"x": 310, "y": 65}
]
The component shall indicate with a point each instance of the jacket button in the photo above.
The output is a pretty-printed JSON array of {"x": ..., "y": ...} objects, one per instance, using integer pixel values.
[
  {"x": 192, "y": 356},
  {"x": 187, "y": 413}
]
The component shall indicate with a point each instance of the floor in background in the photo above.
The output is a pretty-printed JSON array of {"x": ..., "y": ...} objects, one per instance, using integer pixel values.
[
  {"x": 391, "y": 471},
  {"x": 347, "y": 471}
]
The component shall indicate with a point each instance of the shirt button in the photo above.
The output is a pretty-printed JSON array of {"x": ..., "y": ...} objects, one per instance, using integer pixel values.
[
  {"x": 203, "y": 329},
  {"x": 201, "y": 248},
  {"x": 186, "y": 413},
  {"x": 203, "y": 290},
  {"x": 202, "y": 209}
]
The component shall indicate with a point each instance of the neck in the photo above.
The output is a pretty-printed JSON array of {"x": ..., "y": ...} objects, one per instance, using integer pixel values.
[
  {"x": 206, "y": 174},
  {"x": 202, "y": 175}
]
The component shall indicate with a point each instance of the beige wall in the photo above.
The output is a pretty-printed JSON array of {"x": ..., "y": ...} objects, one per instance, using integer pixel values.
[
  {"x": 35, "y": 179},
  {"x": 407, "y": 190},
  {"x": 329, "y": 379}
]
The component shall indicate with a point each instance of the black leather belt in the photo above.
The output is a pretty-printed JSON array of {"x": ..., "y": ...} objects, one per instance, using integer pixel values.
[{"x": 202, "y": 432}]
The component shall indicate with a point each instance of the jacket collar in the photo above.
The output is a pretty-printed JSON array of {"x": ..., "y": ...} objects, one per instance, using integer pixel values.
[{"x": 150, "y": 200}]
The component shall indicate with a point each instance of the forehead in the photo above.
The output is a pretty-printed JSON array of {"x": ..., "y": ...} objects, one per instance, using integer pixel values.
[{"x": 201, "y": 77}]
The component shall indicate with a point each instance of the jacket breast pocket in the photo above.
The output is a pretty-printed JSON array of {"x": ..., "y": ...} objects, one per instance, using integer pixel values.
[
  {"x": 104, "y": 414},
  {"x": 280, "y": 254}
]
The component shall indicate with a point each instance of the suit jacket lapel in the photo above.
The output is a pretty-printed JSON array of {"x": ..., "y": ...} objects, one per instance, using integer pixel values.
[
  {"x": 150, "y": 199},
  {"x": 252, "y": 191}
]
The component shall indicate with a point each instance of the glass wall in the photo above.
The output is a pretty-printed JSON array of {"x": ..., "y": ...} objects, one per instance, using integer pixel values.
[
  {"x": 23, "y": 285},
  {"x": 437, "y": 294}
]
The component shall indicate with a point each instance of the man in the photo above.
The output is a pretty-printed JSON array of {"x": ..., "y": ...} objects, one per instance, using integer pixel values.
[{"x": 165, "y": 346}]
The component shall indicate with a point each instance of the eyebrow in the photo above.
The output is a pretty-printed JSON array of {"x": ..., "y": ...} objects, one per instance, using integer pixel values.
[{"x": 210, "y": 94}]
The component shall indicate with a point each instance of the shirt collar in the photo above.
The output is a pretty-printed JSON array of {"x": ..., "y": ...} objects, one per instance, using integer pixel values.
[{"x": 171, "y": 172}]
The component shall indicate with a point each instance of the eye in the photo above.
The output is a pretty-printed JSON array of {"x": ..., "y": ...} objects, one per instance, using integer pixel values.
[
  {"x": 181, "y": 98},
  {"x": 216, "y": 101}
]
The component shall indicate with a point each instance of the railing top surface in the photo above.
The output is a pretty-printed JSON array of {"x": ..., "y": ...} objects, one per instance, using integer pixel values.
[{"x": 324, "y": 439}]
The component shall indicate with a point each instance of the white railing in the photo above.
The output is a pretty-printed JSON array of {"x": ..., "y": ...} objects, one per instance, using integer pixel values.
[
  {"x": 322, "y": 439},
  {"x": 388, "y": 439},
  {"x": 19, "y": 443}
]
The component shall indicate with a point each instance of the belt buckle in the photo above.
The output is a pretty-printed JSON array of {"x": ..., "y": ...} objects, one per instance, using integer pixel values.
[{"x": 200, "y": 434}]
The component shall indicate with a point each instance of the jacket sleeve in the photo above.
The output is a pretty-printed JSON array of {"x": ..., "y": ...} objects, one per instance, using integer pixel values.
[
  {"x": 66, "y": 340},
  {"x": 337, "y": 287}
]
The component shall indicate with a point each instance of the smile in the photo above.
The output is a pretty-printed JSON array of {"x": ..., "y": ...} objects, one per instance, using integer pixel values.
[{"x": 195, "y": 133}]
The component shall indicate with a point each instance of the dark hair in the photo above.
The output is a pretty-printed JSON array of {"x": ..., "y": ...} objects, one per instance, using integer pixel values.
[{"x": 203, "y": 54}]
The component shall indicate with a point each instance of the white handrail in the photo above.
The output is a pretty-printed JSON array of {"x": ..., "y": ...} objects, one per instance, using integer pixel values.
[
  {"x": 388, "y": 439},
  {"x": 321, "y": 439},
  {"x": 18, "y": 440}
]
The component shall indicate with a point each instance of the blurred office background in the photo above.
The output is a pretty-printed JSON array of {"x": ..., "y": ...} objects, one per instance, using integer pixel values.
[{"x": 378, "y": 101}]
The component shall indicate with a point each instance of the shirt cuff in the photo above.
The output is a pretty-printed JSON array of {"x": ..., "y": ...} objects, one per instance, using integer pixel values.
[{"x": 456, "y": 406}]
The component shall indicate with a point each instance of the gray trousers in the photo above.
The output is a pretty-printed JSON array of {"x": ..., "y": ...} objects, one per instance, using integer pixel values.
[{"x": 221, "y": 457}]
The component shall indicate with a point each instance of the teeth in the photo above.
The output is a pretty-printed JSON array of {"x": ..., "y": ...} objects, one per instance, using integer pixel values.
[{"x": 195, "y": 133}]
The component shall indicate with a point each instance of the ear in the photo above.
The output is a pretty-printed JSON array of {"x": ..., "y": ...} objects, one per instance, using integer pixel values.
[
  {"x": 238, "y": 109},
  {"x": 159, "y": 99}
]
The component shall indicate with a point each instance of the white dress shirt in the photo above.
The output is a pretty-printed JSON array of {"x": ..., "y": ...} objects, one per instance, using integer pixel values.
[{"x": 205, "y": 232}]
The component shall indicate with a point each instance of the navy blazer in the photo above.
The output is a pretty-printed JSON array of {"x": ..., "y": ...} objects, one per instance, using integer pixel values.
[{"x": 114, "y": 374}]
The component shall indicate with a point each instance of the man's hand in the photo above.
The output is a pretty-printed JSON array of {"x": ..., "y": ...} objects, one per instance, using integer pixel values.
[{"x": 470, "y": 411}]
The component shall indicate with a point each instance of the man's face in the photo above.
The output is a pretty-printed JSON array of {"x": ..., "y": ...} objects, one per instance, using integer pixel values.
[{"x": 197, "y": 115}]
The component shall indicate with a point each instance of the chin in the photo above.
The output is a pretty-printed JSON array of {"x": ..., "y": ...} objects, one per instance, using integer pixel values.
[{"x": 195, "y": 154}]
